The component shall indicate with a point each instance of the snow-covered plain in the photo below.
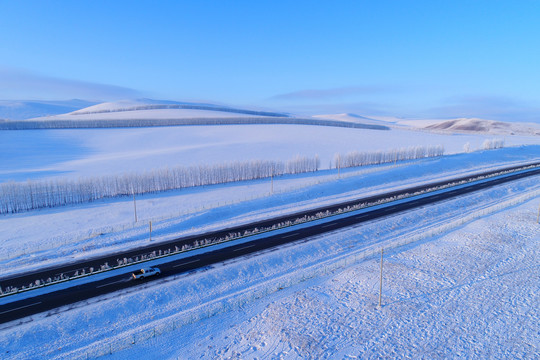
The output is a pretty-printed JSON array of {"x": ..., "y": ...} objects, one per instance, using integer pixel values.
[
  {"x": 470, "y": 292},
  {"x": 450, "y": 291},
  {"x": 39, "y": 154},
  {"x": 32, "y": 239}
]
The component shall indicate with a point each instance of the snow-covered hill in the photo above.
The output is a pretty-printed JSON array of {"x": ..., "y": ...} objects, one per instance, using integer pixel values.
[
  {"x": 147, "y": 112},
  {"x": 354, "y": 118},
  {"x": 124, "y": 105},
  {"x": 26, "y": 109},
  {"x": 144, "y": 109},
  {"x": 481, "y": 126}
]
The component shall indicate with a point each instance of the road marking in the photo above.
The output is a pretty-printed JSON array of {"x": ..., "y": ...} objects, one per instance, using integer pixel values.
[
  {"x": 189, "y": 262},
  {"x": 327, "y": 225},
  {"x": 284, "y": 237},
  {"x": 116, "y": 282},
  {"x": 21, "y": 307},
  {"x": 245, "y": 247}
]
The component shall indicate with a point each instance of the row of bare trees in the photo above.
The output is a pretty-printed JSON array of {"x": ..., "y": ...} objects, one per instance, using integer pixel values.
[
  {"x": 490, "y": 144},
  {"x": 22, "y": 196},
  {"x": 356, "y": 158},
  {"x": 121, "y": 123}
]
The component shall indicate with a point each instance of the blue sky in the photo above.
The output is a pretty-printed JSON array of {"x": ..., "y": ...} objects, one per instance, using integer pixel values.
[{"x": 400, "y": 58}]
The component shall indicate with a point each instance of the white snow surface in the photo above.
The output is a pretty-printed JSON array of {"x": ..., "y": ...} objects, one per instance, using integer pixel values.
[
  {"x": 145, "y": 109},
  {"x": 123, "y": 105},
  {"x": 354, "y": 118},
  {"x": 457, "y": 291},
  {"x": 476, "y": 126},
  {"x": 472, "y": 293},
  {"x": 465, "y": 291},
  {"x": 69, "y": 233},
  {"x": 148, "y": 115},
  {"x": 41, "y": 154}
]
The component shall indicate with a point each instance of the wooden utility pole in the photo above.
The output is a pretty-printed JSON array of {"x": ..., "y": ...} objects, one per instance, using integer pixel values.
[
  {"x": 150, "y": 230},
  {"x": 134, "y": 206},
  {"x": 380, "y": 283}
]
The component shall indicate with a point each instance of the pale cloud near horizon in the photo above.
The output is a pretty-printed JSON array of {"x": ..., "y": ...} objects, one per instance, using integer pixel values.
[
  {"x": 502, "y": 108},
  {"x": 18, "y": 84},
  {"x": 329, "y": 94},
  {"x": 21, "y": 84},
  {"x": 488, "y": 107},
  {"x": 364, "y": 108}
]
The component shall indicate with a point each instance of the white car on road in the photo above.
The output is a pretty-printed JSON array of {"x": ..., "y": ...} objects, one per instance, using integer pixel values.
[{"x": 146, "y": 272}]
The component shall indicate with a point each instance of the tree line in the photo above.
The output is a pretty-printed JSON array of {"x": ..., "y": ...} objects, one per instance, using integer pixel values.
[
  {"x": 119, "y": 123},
  {"x": 23, "y": 196},
  {"x": 36, "y": 194},
  {"x": 490, "y": 144},
  {"x": 356, "y": 158}
]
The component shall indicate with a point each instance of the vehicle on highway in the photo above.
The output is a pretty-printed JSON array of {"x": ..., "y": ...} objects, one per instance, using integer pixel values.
[{"x": 146, "y": 272}]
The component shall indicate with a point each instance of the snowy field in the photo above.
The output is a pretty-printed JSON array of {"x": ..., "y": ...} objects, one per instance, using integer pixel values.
[
  {"x": 461, "y": 277},
  {"x": 42, "y": 154},
  {"x": 472, "y": 293},
  {"x": 451, "y": 290},
  {"x": 71, "y": 233}
]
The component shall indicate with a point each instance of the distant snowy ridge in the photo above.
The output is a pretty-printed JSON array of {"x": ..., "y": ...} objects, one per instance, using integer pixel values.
[
  {"x": 154, "y": 105},
  {"x": 468, "y": 125},
  {"x": 192, "y": 121},
  {"x": 354, "y": 118},
  {"x": 346, "y": 116},
  {"x": 147, "y": 112},
  {"x": 27, "y": 109}
]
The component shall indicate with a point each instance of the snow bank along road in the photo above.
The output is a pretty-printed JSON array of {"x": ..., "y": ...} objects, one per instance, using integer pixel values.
[{"x": 73, "y": 287}]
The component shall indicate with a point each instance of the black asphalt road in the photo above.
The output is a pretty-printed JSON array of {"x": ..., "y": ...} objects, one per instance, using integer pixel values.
[{"x": 30, "y": 306}]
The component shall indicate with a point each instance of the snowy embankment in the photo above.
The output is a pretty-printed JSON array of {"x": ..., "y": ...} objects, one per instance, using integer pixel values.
[{"x": 317, "y": 299}]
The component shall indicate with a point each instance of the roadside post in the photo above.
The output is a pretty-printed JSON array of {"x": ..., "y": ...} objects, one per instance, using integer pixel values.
[
  {"x": 380, "y": 283},
  {"x": 134, "y": 204}
]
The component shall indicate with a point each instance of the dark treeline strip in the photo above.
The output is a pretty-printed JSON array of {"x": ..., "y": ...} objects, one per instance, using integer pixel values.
[{"x": 124, "y": 123}]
